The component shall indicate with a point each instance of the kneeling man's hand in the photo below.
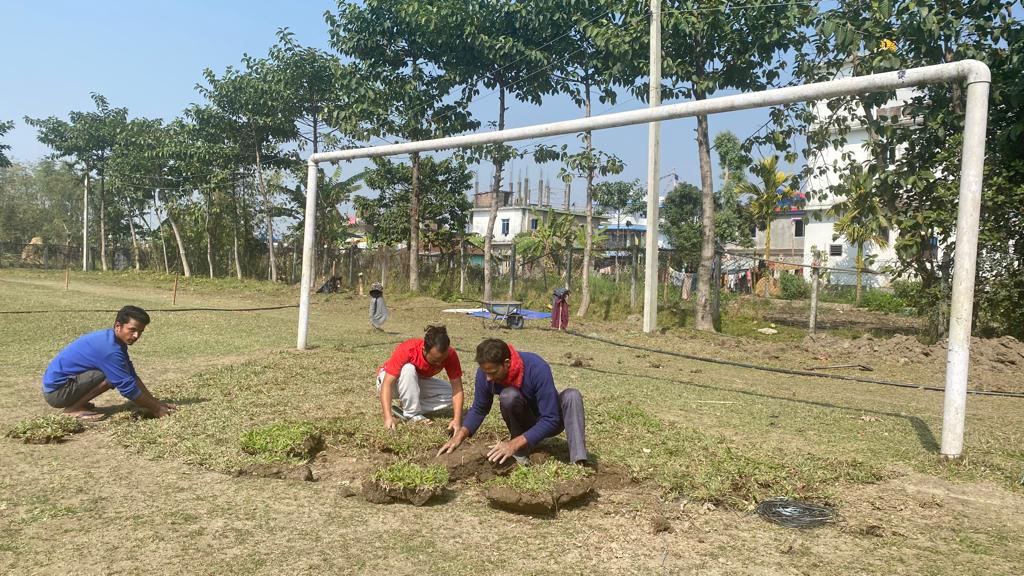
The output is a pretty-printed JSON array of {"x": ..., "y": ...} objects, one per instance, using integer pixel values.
[
  {"x": 504, "y": 450},
  {"x": 455, "y": 441}
]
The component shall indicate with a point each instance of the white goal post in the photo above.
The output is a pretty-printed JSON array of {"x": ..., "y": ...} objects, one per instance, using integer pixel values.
[{"x": 973, "y": 74}]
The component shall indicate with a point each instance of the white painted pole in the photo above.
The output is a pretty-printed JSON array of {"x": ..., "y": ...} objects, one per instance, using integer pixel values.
[
  {"x": 964, "y": 265},
  {"x": 653, "y": 159},
  {"x": 308, "y": 240}
]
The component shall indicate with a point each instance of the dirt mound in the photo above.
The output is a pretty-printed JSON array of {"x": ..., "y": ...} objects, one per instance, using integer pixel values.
[
  {"x": 278, "y": 471},
  {"x": 470, "y": 462},
  {"x": 377, "y": 493},
  {"x": 539, "y": 503}
]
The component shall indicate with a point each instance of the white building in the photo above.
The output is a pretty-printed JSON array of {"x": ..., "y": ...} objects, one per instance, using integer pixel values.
[
  {"x": 515, "y": 217},
  {"x": 818, "y": 227}
]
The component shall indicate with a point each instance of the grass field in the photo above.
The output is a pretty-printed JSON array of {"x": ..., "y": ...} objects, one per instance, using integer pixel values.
[{"x": 692, "y": 443}]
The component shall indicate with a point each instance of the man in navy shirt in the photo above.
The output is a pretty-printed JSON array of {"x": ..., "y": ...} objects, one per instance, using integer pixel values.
[
  {"x": 97, "y": 362},
  {"x": 530, "y": 405}
]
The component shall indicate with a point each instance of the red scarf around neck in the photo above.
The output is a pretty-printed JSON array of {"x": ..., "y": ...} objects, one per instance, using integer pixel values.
[{"x": 515, "y": 369}]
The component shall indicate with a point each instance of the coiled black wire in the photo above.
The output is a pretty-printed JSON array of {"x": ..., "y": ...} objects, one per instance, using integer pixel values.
[{"x": 795, "y": 513}]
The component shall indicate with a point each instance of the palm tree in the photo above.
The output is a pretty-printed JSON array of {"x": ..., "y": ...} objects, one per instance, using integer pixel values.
[
  {"x": 767, "y": 189},
  {"x": 861, "y": 217}
]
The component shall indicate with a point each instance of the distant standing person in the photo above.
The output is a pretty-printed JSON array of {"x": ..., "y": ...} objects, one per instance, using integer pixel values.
[
  {"x": 530, "y": 405},
  {"x": 97, "y": 362},
  {"x": 560, "y": 309},
  {"x": 408, "y": 375},
  {"x": 378, "y": 309}
]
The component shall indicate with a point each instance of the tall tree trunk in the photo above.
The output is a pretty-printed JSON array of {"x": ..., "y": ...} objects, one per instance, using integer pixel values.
[
  {"x": 704, "y": 318},
  {"x": 767, "y": 254},
  {"x": 860, "y": 266},
  {"x": 163, "y": 236},
  {"x": 414, "y": 225},
  {"x": 103, "y": 224},
  {"x": 588, "y": 243},
  {"x": 499, "y": 166},
  {"x": 209, "y": 237},
  {"x": 85, "y": 224},
  {"x": 135, "y": 239},
  {"x": 185, "y": 269},
  {"x": 270, "y": 221},
  {"x": 462, "y": 265},
  {"x": 234, "y": 234}
]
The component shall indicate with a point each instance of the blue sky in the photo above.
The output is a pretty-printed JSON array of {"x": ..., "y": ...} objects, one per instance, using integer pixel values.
[{"x": 148, "y": 57}]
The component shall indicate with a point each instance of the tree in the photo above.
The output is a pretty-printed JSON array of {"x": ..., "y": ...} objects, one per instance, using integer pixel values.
[
  {"x": 916, "y": 154},
  {"x": 257, "y": 117},
  {"x": 5, "y": 127},
  {"x": 503, "y": 47},
  {"x": 398, "y": 49},
  {"x": 682, "y": 214},
  {"x": 765, "y": 197},
  {"x": 586, "y": 65},
  {"x": 86, "y": 138},
  {"x": 711, "y": 46},
  {"x": 862, "y": 219},
  {"x": 619, "y": 197},
  {"x": 443, "y": 183}
]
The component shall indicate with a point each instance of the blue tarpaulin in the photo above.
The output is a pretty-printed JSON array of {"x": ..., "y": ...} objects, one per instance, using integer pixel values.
[{"x": 528, "y": 314}]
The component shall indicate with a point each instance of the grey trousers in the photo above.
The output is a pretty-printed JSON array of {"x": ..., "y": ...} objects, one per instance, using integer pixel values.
[{"x": 519, "y": 418}]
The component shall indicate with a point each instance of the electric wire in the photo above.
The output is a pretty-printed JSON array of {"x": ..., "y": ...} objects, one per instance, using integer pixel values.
[{"x": 789, "y": 371}]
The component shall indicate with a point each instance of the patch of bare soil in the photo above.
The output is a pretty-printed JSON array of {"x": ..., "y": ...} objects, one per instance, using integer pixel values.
[
  {"x": 376, "y": 493},
  {"x": 470, "y": 462},
  {"x": 540, "y": 503},
  {"x": 278, "y": 471}
]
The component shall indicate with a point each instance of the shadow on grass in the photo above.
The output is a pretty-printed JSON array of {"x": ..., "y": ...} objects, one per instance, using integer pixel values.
[{"x": 922, "y": 431}]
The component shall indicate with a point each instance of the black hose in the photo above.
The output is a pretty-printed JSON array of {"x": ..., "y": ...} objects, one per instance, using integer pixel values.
[
  {"x": 62, "y": 311},
  {"x": 789, "y": 370}
]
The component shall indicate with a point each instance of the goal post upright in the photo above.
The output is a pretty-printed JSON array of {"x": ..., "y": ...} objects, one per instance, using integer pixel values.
[{"x": 974, "y": 74}]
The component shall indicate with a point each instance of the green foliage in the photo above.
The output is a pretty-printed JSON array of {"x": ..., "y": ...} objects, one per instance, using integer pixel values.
[
  {"x": 882, "y": 301},
  {"x": 909, "y": 291},
  {"x": 5, "y": 127},
  {"x": 48, "y": 429},
  {"x": 406, "y": 475},
  {"x": 282, "y": 441},
  {"x": 682, "y": 215},
  {"x": 540, "y": 478},
  {"x": 793, "y": 287},
  {"x": 443, "y": 204}
]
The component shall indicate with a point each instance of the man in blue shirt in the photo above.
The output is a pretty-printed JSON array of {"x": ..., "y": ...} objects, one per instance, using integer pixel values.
[
  {"x": 97, "y": 362},
  {"x": 530, "y": 405}
]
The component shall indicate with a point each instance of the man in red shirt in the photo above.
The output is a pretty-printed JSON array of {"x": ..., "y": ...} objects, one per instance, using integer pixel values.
[{"x": 409, "y": 376}]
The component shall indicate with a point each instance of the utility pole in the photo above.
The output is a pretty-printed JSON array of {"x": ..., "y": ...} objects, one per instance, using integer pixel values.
[{"x": 653, "y": 158}]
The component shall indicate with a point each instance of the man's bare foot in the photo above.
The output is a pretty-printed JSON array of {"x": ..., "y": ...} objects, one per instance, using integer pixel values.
[{"x": 86, "y": 415}]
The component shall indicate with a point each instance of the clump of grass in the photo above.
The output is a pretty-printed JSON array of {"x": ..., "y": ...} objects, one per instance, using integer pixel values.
[
  {"x": 283, "y": 441},
  {"x": 409, "y": 476},
  {"x": 49, "y": 429},
  {"x": 540, "y": 478}
]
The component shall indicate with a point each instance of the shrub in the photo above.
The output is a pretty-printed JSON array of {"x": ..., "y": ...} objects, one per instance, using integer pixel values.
[
  {"x": 48, "y": 429},
  {"x": 910, "y": 292},
  {"x": 406, "y": 475},
  {"x": 793, "y": 287},
  {"x": 881, "y": 301}
]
